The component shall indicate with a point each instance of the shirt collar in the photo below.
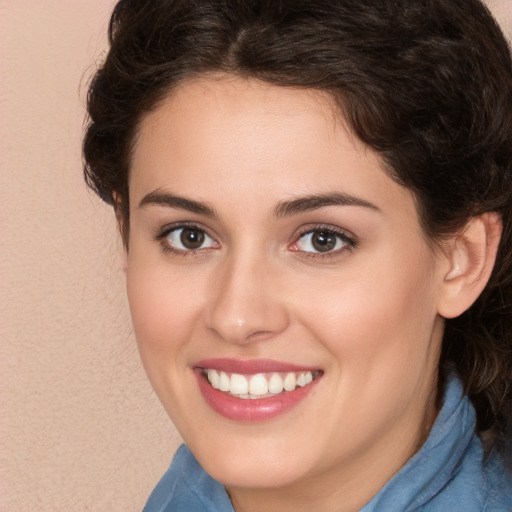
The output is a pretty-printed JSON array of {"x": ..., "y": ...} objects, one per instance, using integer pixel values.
[{"x": 425, "y": 475}]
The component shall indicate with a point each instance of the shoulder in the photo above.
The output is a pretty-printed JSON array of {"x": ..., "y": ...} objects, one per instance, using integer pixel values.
[
  {"x": 498, "y": 483},
  {"x": 476, "y": 485},
  {"x": 186, "y": 486}
]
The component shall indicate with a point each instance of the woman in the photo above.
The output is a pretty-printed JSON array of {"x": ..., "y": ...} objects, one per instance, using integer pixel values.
[{"x": 315, "y": 200}]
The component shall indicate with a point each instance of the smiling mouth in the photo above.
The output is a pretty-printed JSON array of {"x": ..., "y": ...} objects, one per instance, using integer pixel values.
[{"x": 258, "y": 385}]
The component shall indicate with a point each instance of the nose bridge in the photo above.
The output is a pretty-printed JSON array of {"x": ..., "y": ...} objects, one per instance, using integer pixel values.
[{"x": 245, "y": 304}]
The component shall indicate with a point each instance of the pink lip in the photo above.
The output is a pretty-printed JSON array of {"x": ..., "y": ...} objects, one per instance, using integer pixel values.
[
  {"x": 251, "y": 366},
  {"x": 249, "y": 410}
]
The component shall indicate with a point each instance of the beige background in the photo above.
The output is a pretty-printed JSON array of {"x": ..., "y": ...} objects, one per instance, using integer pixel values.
[{"x": 80, "y": 428}]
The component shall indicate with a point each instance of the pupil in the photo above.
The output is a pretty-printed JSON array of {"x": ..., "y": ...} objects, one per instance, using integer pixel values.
[
  {"x": 324, "y": 242},
  {"x": 192, "y": 238}
]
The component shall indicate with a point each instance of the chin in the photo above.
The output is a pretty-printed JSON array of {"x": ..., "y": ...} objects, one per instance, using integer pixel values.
[{"x": 254, "y": 472}]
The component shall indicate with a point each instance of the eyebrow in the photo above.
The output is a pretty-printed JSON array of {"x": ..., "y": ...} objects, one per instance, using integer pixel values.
[
  {"x": 315, "y": 201},
  {"x": 283, "y": 209},
  {"x": 160, "y": 198}
]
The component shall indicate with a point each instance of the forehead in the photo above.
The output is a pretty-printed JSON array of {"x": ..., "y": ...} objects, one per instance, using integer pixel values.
[
  {"x": 204, "y": 110},
  {"x": 264, "y": 142}
]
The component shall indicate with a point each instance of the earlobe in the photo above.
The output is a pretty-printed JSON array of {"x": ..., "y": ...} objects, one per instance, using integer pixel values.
[{"x": 470, "y": 257}]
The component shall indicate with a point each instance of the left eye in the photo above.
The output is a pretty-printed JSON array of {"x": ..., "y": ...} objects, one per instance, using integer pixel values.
[
  {"x": 321, "y": 241},
  {"x": 189, "y": 239}
]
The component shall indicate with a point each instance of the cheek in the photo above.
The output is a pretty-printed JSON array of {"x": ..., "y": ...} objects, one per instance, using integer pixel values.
[
  {"x": 378, "y": 330},
  {"x": 164, "y": 306},
  {"x": 378, "y": 315}
]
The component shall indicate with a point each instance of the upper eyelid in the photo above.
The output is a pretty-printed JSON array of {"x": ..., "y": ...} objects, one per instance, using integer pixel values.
[
  {"x": 167, "y": 247},
  {"x": 164, "y": 230},
  {"x": 351, "y": 242},
  {"x": 324, "y": 227}
]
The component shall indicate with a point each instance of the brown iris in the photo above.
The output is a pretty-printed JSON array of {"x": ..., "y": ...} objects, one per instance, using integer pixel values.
[
  {"x": 192, "y": 238},
  {"x": 323, "y": 241}
]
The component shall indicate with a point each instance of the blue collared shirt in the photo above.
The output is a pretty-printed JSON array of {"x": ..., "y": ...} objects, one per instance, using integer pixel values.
[{"x": 448, "y": 474}]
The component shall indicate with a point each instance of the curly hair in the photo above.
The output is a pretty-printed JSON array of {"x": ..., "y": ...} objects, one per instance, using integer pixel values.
[{"x": 425, "y": 83}]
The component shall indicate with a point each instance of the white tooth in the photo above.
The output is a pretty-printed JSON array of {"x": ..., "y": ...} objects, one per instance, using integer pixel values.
[
  {"x": 301, "y": 380},
  {"x": 238, "y": 384},
  {"x": 309, "y": 377},
  {"x": 258, "y": 385},
  {"x": 224, "y": 381},
  {"x": 213, "y": 378},
  {"x": 244, "y": 397},
  {"x": 289, "y": 382},
  {"x": 275, "y": 384}
]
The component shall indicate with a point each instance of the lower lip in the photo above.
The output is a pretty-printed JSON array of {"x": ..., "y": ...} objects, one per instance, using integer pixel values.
[{"x": 251, "y": 410}]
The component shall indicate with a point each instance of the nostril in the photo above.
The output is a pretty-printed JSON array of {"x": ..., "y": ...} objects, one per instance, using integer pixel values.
[{"x": 260, "y": 335}]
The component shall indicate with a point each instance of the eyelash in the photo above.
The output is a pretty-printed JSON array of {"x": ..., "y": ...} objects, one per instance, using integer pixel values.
[
  {"x": 164, "y": 232},
  {"x": 349, "y": 241}
]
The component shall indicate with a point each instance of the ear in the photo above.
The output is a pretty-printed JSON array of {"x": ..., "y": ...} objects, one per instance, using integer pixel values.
[{"x": 470, "y": 257}]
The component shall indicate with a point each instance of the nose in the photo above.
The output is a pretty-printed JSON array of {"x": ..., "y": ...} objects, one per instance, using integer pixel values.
[{"x": 246, "y": 303}]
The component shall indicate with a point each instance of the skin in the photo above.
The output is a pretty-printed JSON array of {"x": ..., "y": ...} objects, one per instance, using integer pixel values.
[{"x": 367, "y": 315}]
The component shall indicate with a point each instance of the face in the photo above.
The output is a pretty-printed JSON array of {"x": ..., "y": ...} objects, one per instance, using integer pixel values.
[{"x": 283, "y": 296}]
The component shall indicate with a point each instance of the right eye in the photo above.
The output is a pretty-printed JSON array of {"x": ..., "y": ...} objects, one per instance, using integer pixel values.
[{"x": 186, "y": 239}]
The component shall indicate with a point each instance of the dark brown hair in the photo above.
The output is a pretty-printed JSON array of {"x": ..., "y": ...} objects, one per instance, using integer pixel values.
[{"x": 425, "y": 83}]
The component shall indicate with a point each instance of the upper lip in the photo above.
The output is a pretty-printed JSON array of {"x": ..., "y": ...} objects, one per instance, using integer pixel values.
[{"x": 251, "y": 366}]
